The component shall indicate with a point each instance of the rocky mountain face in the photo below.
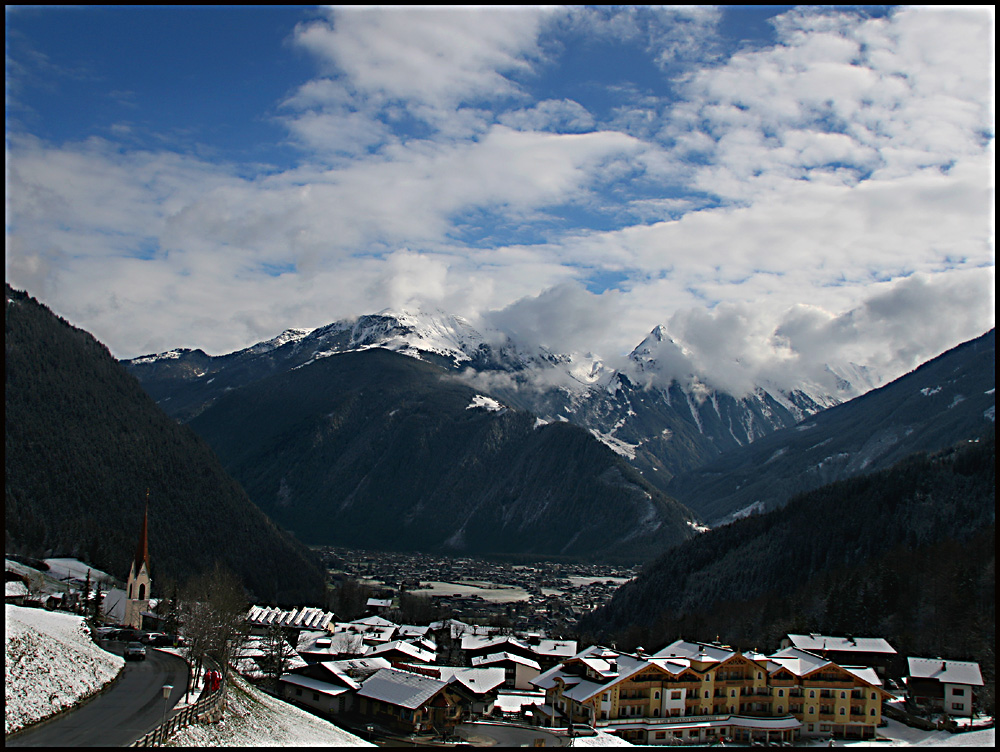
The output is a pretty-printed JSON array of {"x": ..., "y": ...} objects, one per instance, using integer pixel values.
[
  {"x": 659, "y": 425},
  {"x": 373, "y": 449},
  {"x": 946, "y": 400},
  {"x": 84, "y": 446}
]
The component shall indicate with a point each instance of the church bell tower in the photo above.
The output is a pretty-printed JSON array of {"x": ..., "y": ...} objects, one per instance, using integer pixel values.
[{"x": 138, "y": 584}]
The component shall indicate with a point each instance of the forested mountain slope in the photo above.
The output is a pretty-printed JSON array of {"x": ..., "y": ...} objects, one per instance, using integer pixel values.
[
  {"x": 905, "y": 553},
  {"x": 84, "y": 442},
  {"x": 378, "y": 450},
  {"x": 944, "y": 401}
]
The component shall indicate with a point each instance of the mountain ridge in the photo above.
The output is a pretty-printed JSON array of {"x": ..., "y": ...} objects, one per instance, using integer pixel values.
[{"x": 661, "y": 429}]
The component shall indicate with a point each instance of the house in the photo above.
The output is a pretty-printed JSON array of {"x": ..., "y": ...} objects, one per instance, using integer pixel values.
[
  {"x": 482, "y": 684},
  {"x": 329, "y": 686},
  {"x": 947, "y": 686},
  {"x": 826, "y": 697},
  {"x": 379, "y": 605},
  {"x": 875, "y": 652},
  {"x": 694, "y": 692},
  {"x": 412, "y": 703},
  {"x": 518, "y": 670},
  {"x": 16, "y": 591}
]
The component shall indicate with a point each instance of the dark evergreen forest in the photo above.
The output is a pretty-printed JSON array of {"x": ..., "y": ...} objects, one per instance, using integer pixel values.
[
  {"x": 84, "y": 442},
  {"x": 906, "y": 554},
  {"x": 374, "y": 449}
]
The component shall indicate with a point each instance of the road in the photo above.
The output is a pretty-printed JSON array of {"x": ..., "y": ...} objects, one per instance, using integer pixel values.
[{"x": 116, "y": 718}]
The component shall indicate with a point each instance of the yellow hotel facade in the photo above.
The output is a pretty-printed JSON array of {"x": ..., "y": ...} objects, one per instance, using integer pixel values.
[{"x": 697, "y": 692}]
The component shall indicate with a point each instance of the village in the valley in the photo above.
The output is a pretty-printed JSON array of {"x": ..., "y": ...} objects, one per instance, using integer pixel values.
[{"x": 499, "y": 665}]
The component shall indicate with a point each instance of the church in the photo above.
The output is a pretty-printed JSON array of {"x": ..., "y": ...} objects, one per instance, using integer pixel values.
[{"x": 138, "y": 585}]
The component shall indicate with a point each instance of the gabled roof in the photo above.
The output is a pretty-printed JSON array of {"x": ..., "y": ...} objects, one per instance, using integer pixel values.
[
  {"x": 695, "y": 651},
  {"x": 799, "y": 662},
  {"x": 315, "y": 685},
  {"x": 374, "y": 621},
  {"x": 401, "y": 688},
  {"x": 492, "y": 658},
  {"x": 406, "y": 648},
  {"x": 818, "y": 642},
  {"x": 949, "y": 672}
]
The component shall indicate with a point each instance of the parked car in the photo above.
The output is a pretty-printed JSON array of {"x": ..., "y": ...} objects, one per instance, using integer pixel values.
[
  {"x": 135, "y": 651},
  {"x": 156, "y": 639}
]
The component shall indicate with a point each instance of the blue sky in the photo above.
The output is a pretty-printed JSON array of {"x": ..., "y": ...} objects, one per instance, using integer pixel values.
[{"x": 781, "y": 186}]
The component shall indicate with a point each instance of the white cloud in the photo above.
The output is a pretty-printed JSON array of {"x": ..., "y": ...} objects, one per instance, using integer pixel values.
[
  {"x": 439, "y": 57},
  {"x": 829, "y": 196}
]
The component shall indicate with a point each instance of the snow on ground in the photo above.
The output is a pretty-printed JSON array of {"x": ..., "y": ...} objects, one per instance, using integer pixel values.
[
  {"x": 63, "y": 569},
  {"x": 901, "y": 735},
  {"x": 600, "y": 740},
  {"x": 50, "y": 663},
  {"x": 255, "y": 719},
  {"x": 486, "y": 403}
]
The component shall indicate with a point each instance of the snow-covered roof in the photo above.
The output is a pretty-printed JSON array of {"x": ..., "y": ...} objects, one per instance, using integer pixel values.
[
  {"x": 400, "y": 688},
  {"x": 478, "y": 680},
  {"x": 799, "y": 662},
  {"x": 819, "y": 642},
  {"x": 554, "y": 648},
  {"x": 865, "y": 674},
  {"x": 487, "y": 660},
  {"x": 696, "y": 651},
  {"x": 315, "y": 685},
  {"x": 379, "y": 602},
  {"x": 15, "y": 589},
  {"x": 303, "y": 618},
  {"x": 406, "y": 648},
  {"x": 949, "y": 672},
  {"x": 374, "y": 621}
]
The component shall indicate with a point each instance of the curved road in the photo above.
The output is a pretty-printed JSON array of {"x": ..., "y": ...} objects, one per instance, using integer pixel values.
[{"x": 119, "y": 716}]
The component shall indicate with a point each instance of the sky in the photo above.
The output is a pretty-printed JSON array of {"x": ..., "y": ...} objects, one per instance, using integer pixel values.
[{"x": 780, "y": 187}]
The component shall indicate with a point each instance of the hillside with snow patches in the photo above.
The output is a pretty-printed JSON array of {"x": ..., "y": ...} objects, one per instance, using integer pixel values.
[{"x": 50, "y": 664}]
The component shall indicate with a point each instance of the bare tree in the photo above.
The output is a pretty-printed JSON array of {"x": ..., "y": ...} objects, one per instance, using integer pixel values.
[
  {"x": 278, "y": 654},
  {"x": 213, "y": 608}
]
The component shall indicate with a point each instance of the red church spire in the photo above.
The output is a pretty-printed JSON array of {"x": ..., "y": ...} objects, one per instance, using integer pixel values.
[{"x": 142, "y": 552}]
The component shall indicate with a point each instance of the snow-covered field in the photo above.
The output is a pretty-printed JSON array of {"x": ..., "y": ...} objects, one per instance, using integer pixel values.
[
  {"x": 255, "y": 719},
  {"x": 50, "y": 663}
]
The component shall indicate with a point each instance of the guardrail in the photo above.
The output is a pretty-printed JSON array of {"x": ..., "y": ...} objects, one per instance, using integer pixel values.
[{"x": 208, "y": 708}]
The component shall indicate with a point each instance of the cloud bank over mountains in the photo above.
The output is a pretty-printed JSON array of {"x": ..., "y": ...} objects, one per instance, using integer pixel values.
[{"x": 780, "y": 193}]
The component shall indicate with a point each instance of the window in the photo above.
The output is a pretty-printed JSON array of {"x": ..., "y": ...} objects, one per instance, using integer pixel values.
[
  {"x": 781, "y": 709},
  {"x": 656, "y": 695},
  {"x": 812, "y": 692},
  {"x": 958, "y": 706},
  {"x": 873, "y": 696},
  {"x": 675, "y": 695},
  {"x": 957, "y": 691},
  {"x": 843, "y": 711},
  {"x": 142, "y": 591},
  {"x": 843, "y": 695},
  {"x": 781, "y": 693},
  {"x": 873, "y": 711}
]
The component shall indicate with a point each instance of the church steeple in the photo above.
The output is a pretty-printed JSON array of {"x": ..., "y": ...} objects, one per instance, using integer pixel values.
[
  {"x": 142, "y": 551},
  {"x": 139, "y": 583}
]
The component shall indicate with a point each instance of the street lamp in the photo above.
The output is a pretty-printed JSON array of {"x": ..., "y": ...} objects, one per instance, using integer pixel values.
[{"x": 166, "y": 696}]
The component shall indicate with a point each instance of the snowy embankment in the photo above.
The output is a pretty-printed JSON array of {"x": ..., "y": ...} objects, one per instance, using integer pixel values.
[
  {"x": 255, "y": 719},
  {"x": 50, "y": 663}
]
